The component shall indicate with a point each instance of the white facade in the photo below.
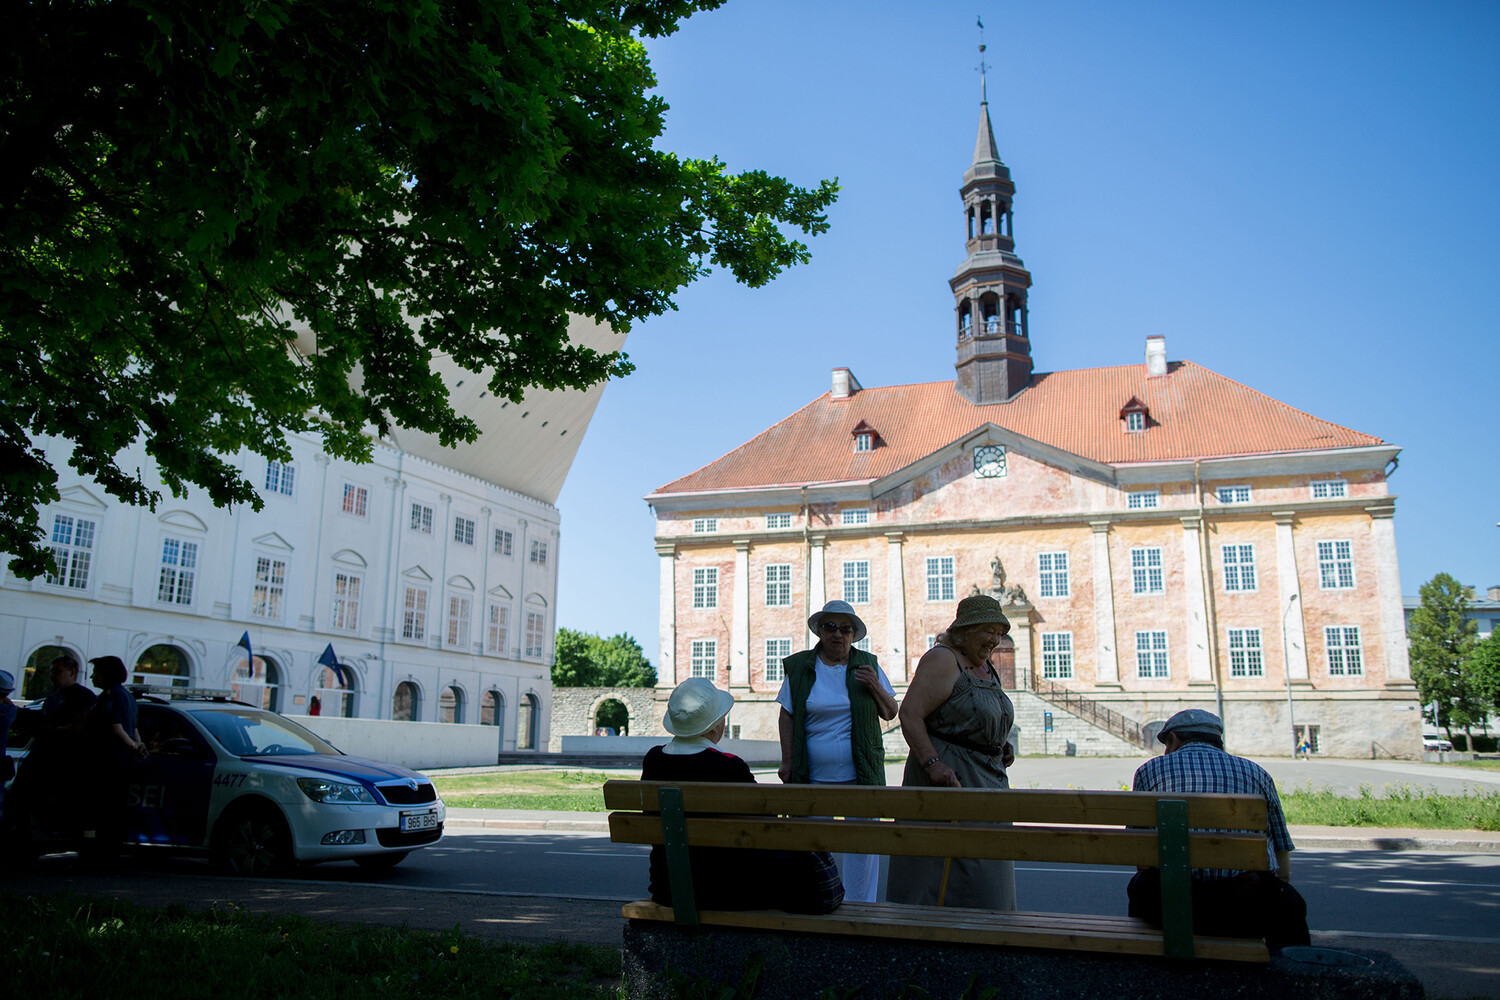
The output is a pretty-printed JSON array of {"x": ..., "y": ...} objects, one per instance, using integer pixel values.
[{"x": 415, "y": 573}]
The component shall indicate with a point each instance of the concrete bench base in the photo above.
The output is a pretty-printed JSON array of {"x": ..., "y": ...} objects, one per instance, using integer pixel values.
[{"x": 660, "y": 958}]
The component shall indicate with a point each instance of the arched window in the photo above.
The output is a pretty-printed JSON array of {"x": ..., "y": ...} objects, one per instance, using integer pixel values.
[
  {"x": 163, "y": 665},
  {"x": 451, "y": 704},
  {"x": 258, "y": 683},
  {"x": 36, "y": 681},
  {"x": 337, "y": 688},
  {"x": 986, "y": 219},
  {"x": 527, "y": 718},
  {"x": 491, "y": 704},
  {"x": 406, "y": 703}
]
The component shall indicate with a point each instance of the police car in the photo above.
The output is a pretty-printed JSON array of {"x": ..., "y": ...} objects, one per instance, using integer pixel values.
[{"x": 258, "y": 793}]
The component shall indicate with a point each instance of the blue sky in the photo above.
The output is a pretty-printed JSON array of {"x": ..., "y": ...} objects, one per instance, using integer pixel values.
[{"x": 1301, "y": 197}]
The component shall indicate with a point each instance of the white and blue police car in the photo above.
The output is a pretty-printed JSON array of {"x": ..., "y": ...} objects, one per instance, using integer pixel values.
[{"x": 260, "y": 794}]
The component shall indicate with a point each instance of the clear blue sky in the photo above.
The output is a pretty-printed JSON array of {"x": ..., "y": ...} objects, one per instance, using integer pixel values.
[{"x": 1300, "y": 196}]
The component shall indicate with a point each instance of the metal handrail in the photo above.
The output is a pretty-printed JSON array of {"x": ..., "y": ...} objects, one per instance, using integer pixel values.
[{"x": 1085, "y": 708}]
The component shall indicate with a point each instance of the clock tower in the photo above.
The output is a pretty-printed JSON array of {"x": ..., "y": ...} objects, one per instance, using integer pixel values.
[{"x": 989, "y": 288}]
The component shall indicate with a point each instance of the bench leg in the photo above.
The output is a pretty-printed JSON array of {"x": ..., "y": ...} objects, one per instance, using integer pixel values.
[{"x": 1176, "y": 878}]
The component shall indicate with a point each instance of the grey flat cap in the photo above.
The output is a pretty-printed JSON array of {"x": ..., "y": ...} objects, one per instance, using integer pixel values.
[{"x": 1192, "y": 720}]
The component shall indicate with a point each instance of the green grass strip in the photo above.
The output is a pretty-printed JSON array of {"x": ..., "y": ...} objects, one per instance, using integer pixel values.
[{"x": 1397, "y": 806}]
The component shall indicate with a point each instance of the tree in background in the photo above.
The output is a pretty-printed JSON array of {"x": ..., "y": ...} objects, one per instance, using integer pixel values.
[
  {"x": 227, "y": 222},
  {"x": 1442, "y": 641},
  {"x": 588, "y": 660},
  {"x": 1484, "y": 675}
]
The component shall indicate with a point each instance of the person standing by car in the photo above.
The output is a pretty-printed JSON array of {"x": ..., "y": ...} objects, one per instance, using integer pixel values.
[
  {"x": 45, "y": 785},
  {"x": 7, "y": 716},
  {"x": 112, "y": 742}
]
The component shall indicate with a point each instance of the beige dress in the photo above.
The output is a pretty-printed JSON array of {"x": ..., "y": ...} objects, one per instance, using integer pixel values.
[{"x": 978, "y": 712}]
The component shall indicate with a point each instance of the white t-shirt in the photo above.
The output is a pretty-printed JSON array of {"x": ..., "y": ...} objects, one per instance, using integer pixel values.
[{"x": 829, "y": 723}]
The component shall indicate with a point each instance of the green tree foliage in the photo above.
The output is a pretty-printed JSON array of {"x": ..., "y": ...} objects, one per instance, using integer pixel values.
[
  {"x": 225, "y": 222},
  {"x": 1483, "y": 669},
  {"x": 588, "y": 660},
  {"x": 1442, "y": 640}
]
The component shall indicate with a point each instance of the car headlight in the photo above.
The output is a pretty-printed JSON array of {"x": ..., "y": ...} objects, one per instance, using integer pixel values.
[{"x": 323, "y": 790}]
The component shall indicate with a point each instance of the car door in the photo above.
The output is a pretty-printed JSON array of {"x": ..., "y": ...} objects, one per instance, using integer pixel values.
[{"x": 170, "y": 786}]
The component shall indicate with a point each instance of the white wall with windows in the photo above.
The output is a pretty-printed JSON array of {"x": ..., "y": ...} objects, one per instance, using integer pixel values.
[{"x": 434, "y": 589}]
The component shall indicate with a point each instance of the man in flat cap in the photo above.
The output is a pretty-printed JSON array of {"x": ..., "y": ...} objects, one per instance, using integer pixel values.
[{"x": 1230, "y": 903}]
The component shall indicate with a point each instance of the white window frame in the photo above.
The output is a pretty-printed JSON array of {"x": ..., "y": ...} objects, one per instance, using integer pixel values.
[
  {"x": 281, "y": 478},
  {"x": 1246, "y": 657},
  {"x": 941, "y": 578},
  {"x": 497, "y": 629},
  {"x": 1142, "y": 499},
  {"x": 1135, "y": 422},
  {"x": 1057, "y": 656},
  {"x": 854, "y": 516},
  {"x": 463, "y": 530},
  {"x": 775, "y": 522},
  {"x": 703, "y": 659},
  {"x": 460, "y": 615},
  {"x": 1146, "y": 575},
  {"x": 179, "y": 572},
  {"x": 705, "y": 525},
  {"x": 347, "y": 591},
  {"x": 268, "y": 594},
  {"x": 356, "y": 500},
  {"x": 72, "y": 550},
  {"x": 1329, "y": 489},
  {"x": 536, "y": 634},
  {"x": 864, "y": 441},
  {"x": 421, "y": 518},
  {"x": 1335, "y": 564},
  {"x": 856, "y": 574},
  {"x": 504, "y": 542},
  {"x": 1238, "y": 493},
  {"x": 539, "y": 552},
  {"x": 1152, "y": 659},
  {"x": 778, "y": 585},
  {"x": 863, "y": 644},
  {"x": 1341, "y": 643},
  {"x": 776, "y": 651},
  {"x": 1240, "y": 576},
  {"x": 414, "y": 613},
  {"x": 1052, "y": 574},
  {"x": 705, "y": 587}
]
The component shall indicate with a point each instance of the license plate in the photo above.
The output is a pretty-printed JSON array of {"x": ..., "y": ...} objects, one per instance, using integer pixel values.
[{"x": 411, "y": 822}]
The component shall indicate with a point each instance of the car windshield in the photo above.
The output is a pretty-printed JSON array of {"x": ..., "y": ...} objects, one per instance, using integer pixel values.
[{"x": 251, "y": 732}]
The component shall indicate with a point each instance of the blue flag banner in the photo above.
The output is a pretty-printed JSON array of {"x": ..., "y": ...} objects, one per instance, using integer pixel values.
[
  {"x": 331, "y": 661},
  {"x": 244, "y": 643}
]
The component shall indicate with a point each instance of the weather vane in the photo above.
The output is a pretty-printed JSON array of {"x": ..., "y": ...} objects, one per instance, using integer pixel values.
[{"x": 983, "y": 96}]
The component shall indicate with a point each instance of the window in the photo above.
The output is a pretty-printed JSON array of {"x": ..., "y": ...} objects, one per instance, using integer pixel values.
[
  {"x": 776, "y": 651},
  {"x": 72, "y": 551},
  {"x": 498, "y": 636},
  {"x": 1344, "y": 658},
  {"x": 1052, "y": 568},
  {"x": 503, "y": 541},
  {"x": 1232, "y": 494},
  {"x": 179, "y": 564},
  {"x": 536, "y": 634},
  {"x": 857, "y": 581},
  {"x": 1336, "y": 565},
  {"x": 458, "y": 621},
  {"x": 1151, "y": 654},
  {"x": 864, "y": 441},
  {"x": 421, "y": 518},
  {"x": 281, "y": 477},
  {"x": 1308, "y": 735},
  {"x": 931, "y": 641},
  {"x": 1143, "y": 499},
  {"x": 779, "y": 586},
  {"x": 778, "y": 520},
  {"x": 539, "y": 552},
  {"x": 705, "y": 653},
  {"x": 706, "y": 587},
  {"x": 1135, "y": 421},
  {"x": 989, "y": 462},
  {"x": 356, "y": 500},
  {"x": 414, "y": 614},
  {"x": 1145, "y": 571},
  {"x": 1239, "y": 568},
  {"x": 854, "y": 515},
  {"x": 1330, "y": 489},
  {"x": 463, "y": 531},
  {"x": 1057, "y": 656},
  {"x": 703, "y": 525},
  {"x": 863, "y": 644},
  {"x": 346, "y": 588},
  {"x": 940, "y": 578},
  {"x": 1244, "y": 653},
  {"x": 270, "y": 588}
]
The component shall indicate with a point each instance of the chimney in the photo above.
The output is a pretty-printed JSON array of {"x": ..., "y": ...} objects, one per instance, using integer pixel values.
[
  {"x": 1156, "y": 355},
  {"x": 844, "y": 383},
  {"x": 1495, "y": 593}
]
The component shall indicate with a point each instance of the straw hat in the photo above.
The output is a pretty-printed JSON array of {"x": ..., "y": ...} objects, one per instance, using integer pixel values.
[{"x": 980, "y": 610}]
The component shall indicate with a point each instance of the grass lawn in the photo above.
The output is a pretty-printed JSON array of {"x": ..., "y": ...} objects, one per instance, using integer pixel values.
[
  {"x": 84, "y": 949},
  {"x": 1486, "y": 765},
  {"x": 546, "y": 788}
]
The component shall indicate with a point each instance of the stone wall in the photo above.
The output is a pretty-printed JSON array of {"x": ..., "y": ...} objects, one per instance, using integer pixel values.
[{"x": 574, "y": 710}]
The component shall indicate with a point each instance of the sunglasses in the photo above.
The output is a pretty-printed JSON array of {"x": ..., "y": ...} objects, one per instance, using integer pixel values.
[{"x": 831, "y": 628}]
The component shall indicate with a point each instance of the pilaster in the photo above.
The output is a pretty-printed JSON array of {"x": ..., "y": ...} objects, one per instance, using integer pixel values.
[
  {"x": 895, "y": 616},
  {"x": 1106, "y": 658},
  {"x": 739, "y": 635},
  {"x": 1289, "y": 593},
  {"x": 1195, "y": 602},
  {"x": 1388, "y": 593},
  {"x": 666, "y": 674}
]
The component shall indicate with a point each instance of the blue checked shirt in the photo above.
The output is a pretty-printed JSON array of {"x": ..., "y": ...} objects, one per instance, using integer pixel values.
[{"x": 1198, "y": 767}]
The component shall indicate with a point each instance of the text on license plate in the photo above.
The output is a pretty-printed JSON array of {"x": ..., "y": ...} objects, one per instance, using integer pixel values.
[{"x": 418, "y": 821}]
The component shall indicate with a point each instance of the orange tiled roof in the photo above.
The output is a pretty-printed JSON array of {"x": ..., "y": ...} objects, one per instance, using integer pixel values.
[{"x": 1194, "y": 413}]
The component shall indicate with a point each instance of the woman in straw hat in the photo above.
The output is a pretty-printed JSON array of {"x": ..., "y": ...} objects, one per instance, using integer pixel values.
[{"x": 956, "y": 719}]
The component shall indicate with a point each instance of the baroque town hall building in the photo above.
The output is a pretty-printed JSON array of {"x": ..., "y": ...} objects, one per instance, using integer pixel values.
[{"x": 1162, "y": 537}]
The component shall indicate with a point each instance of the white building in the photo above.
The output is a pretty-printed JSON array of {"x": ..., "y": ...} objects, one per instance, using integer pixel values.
[{"x": 431, "y": 572}]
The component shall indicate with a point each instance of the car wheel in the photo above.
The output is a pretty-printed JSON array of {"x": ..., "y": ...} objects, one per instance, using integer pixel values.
[
  {"x": 254, "y": 842},
  {"x": 381, "y": 862}
]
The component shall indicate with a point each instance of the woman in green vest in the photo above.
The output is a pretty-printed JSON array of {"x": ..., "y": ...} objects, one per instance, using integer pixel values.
[{"x": 833, "y": 698}]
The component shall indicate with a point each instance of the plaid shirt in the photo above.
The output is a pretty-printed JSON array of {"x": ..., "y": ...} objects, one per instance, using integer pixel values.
[{"x": 1199, "y": 767}]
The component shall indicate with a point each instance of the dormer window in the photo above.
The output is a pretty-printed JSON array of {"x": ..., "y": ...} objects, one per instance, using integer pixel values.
[
  {"x": 1134, "y": 414},
  {"x": 865, "y": 437},
  {"x": 1135, "y": 421}
]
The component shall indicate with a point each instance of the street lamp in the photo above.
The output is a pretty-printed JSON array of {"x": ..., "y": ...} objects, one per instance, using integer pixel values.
[{"x": 1286, "y": 669}]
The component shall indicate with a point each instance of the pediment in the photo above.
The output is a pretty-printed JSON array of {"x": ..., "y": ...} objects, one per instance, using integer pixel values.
[
  {"x": 348, "y": 557},
  {"x": 535, "y": 598},
  {"x": 1014, "y": 444},
  {"x": 81, "y": 496},
  {"x": 500, "y": 592},
  {"x": 186, "y": 520},
  {"x": 271, "y": 540},
  {"x": 460, "y": 583},
  {"x": 417, "y": 573}
]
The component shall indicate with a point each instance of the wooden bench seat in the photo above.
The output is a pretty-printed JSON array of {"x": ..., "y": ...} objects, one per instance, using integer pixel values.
[{"x": 1173, "y": 832}]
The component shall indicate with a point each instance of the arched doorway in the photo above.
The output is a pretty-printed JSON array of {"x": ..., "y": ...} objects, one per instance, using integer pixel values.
[
  {"x": 528, "y": 718},
  {"x": 258, "y": 682},
  {"x": 36, "y": 680},
  {"x": 611, "y": 715},
  {"x": 1004, "y": 658},
  {"x": 406, "y": 703},
  {"x": 163, "y": 665},
  {"x": 337, "y": 691},
  {"x": 451, "y": 704}
]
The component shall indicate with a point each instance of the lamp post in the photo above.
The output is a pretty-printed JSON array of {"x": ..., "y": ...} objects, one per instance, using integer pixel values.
[{"x": 1286, "y": 669}]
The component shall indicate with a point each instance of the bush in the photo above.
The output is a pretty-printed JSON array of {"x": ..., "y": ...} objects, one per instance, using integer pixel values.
[{"x": 1482, "y": 744}]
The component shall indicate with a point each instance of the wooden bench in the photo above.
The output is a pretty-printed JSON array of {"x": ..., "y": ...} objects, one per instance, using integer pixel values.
[{"x": 1174, "y": 832}]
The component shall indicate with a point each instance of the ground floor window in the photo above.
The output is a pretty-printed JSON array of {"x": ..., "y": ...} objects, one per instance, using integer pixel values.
[{"x": 1308, "y": 736}]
